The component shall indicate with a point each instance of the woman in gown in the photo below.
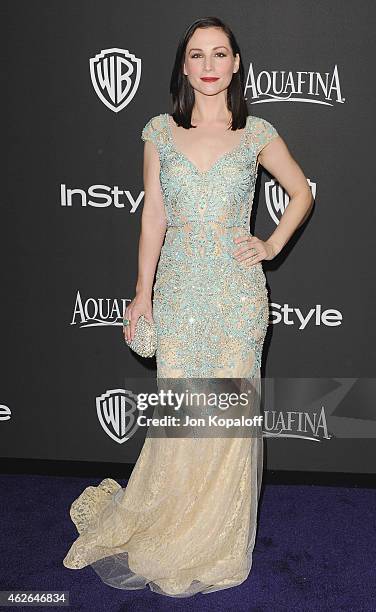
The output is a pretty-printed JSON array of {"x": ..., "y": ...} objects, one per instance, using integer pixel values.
[{"x": 186, "y": 521}]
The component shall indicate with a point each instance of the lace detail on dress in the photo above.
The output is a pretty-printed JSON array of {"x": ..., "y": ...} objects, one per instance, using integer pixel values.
[
  {"x": 85, "y": 507},
  {"x": 154, "y": 132},
  {"x": 176, "y": 527},
  {"x": 263, "y": 132}
]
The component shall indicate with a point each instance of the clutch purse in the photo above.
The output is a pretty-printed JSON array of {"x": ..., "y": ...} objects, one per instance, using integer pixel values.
[{"x": 144, "y": 342}]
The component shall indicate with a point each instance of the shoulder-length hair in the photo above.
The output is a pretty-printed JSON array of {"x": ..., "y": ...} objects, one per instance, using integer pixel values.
[{"x": 182, "y": 92}]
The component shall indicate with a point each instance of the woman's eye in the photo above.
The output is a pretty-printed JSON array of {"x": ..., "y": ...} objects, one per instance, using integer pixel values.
[{"x": 199, "y": 54}]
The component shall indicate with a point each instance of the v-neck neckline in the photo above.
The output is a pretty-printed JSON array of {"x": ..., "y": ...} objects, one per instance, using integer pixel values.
[{"x": 169, "y": 118}]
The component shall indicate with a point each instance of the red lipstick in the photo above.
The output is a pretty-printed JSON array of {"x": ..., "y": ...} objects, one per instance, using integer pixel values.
[{"x": 209, "y": 79}]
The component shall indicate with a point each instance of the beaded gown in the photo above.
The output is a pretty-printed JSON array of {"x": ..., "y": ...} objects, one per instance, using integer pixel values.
[{"x": 186, "y": 521}]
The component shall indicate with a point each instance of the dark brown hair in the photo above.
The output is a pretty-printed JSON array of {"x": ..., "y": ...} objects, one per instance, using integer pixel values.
[{"x": 182, "y": 92}]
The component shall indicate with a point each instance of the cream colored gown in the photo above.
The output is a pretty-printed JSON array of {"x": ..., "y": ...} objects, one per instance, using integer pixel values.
[{"x": 186, "y": 521}]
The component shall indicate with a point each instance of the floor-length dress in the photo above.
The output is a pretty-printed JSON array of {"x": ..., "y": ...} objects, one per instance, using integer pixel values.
[{"x": 186, "y": 521}]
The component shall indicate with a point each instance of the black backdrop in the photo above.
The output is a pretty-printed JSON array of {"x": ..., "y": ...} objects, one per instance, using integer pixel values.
[{"x": 72, "y": 204}]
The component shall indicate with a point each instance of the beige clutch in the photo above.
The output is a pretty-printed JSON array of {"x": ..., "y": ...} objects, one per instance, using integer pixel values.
[{"x": 144, "y": 342}]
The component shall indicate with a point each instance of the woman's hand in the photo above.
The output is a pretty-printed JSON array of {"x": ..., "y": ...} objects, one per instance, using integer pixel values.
[
  {"x": 252, "y": 250},
  {"x": 140, "y": 305}
]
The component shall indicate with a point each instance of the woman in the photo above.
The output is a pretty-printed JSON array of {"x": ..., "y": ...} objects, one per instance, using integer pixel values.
[{"x": 186, "y": 521}]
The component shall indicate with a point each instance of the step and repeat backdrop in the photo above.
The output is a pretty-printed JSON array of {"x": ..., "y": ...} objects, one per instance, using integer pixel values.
[{"x": 80, "y": 81}]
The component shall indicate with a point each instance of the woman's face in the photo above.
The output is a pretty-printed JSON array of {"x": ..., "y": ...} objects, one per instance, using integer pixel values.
[{"x": 209, "y": 54}]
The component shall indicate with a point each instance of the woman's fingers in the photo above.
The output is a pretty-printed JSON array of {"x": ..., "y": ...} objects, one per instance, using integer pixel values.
[
  {"x": 126, "y": 328},
  {"x": 248, "y": 243},
  {"x": 133, "y": 312},
  {"x": 253, "y": 260},
  {"x": 252, "y": 251},
  {"x": 253, "y": 255}
]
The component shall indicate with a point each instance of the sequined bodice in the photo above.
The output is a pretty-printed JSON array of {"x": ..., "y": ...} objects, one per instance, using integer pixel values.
[
  {"x": 206, "y": 209},
  {"x": 224, "y": 193}
]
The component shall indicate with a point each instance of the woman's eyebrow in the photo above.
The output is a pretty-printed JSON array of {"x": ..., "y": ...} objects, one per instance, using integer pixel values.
[{"x": 220, "y": 47}]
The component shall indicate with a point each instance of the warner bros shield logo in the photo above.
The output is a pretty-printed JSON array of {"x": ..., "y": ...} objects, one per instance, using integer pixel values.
[
  {"x": 277, "y": 199},
  {"x": 115, "y": 74},
  {"x": 117, "y": 413}
]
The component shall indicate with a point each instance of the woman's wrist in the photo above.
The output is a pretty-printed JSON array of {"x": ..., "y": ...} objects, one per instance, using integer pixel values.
[
  {"x": 143, "y": 292},
  {"x": 275, "y": 246}
]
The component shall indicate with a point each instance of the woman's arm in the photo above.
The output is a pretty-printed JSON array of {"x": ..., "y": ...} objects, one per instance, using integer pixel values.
[
  {"x": 276, "y": 159},
  {"x": 153, "y": 222},
  {"x": 153, "y": 229}
]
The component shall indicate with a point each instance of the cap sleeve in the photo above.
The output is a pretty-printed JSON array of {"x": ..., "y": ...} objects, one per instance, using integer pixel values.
[
  {"x": 151, "y": 130},
  {"x": 264, "y": 132}
]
